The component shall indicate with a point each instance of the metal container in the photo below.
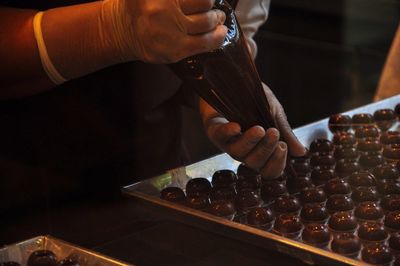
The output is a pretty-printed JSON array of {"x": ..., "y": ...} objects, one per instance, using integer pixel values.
[
  {"x": 21, "y": 251},
  {"x": 148, "y": 191}
]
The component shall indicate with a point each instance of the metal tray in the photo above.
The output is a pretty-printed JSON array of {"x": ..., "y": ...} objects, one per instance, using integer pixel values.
[
  {"x": 20, "y": 252},
  {"x": 148, "y": 191}
]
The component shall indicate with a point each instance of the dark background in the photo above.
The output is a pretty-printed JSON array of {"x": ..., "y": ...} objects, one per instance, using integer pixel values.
[{"x": 319, "y": 57}]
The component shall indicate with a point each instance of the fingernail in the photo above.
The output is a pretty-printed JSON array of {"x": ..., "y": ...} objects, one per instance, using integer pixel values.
[
  {"x": 220, "y": 16},
  {"x": 282, "y": 146}
]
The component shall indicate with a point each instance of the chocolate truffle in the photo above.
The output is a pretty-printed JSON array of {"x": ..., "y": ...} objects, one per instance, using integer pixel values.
[
  {"x": 288, "y": 225},
  {"x": 272, "y": 190},
  {"x": 392, "y": 220},
  {"x": 362, "y": 179},
  {"x": 42, "y": 258},
  {"x": 372, "y": 232},
  {"x": 394, "y": 242},
  {"x": 312, "y": 194},
  {"x": 223, "y": 208},
  {"x": 361, "y": 194},
  {"x": 248, "y": 183},
  {"x": 68, "y": 262},
  {"x": 228, "y": 193},
  {"x": 344, "y": 168},
  {"x": 363, "y": 119},
  {"x": 342, "y": 222},
  {"x": 320, "y": 176},
  {"x": 198, "y": 186},
  {"x": 368, "y": 211},
  {"x": 378, "y": 254},
  {"x": 325, "y": 161},
  {"x": 260, "y": 217},
  {"x": 386, "y": 171},
  {"x": 245, "y": 171},
  {"x": 314, "y": 212},
  {"x": 388, "y": 186},
  {"x": 223, "y": 178},
  {"x": 200, "y": 202},
  {"x": 390, "y": 137},
  {"x": 173, "y": 194},
  {"x": 370, "y": 161},
  {"x": 321, "y": 146},
  {"x": 339, "y": 122},
  {"x": 392, "y": 152},
  {"x": 316, "y": 235},
  {"x": 287, "y": 204},
  {"x": 338, "y": 203},
  {"x": 384, "y": 118},
  {"x": 301, "y": 168},
  {"x": 344, "y": 140},
  {"x": 346, "y": 244},
  {"x": 296, "y": 184},
  {"x": 337, "y": 186},
  {"x": 351, "y": 154},
  {"x": 369, "y": 145},
  {"x": 368, "y": 131},
  {"x": 391, "y": 203},
  {"x": 247, "y": 199}
]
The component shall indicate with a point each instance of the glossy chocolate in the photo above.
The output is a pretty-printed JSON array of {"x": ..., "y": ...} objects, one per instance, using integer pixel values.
[
  {"x": 370, "y": 161},
  {"x": 346, "y": 244},
  {"x": 351, "y": 154},
  {"x": 369, "y": 145},
  {"x": 394, "y": 241},
  {"x": 316, "y": 235},
  {"x": 342, "y": 221},
  {"x": 339, "y": 123},
  {"x": 372, "y": 231},
  {"x": 359, "y": 120},
  {"x": 388, "y": 186},
  {"x": 369, "y": 131},
  {"x": 247, "y": 199},
  {"x": 390, "y": 137},
  {"x": 325, "y": 161},
  {"x": 198, "y": 186},
  {"x": 68, "y": 262},
  {"x": 245, "y": 171},
  {"x": 378, "y": 254},
  {"x": 312, "y": 195},
  {"x": 222, "y": 208},
  {"x": 384, "y": 118},
  {"x": 368, "y": 210},
  {"x": 314, "y": 212},
  {"x": 259, "y": 216},
  {"x": 287, "y": 224},
  {"x": 223, "y": 178},
  {"x": 200, "y": 202},
  {"x": 338, "y": 203},
  {"x": 42, "y": 258},
  {"x": 392, "y": 152},
  {"x": 362, "y": 179},
  {"x": 321, "y": 176},
  {"x": 173, "y": 194},
  {"x": 392, "y": 220},
  {"x": 321, "y": 146},
  {"x": 272, "y": 190},
  {"x": 287, "y": 204},
  {"x": 391, "y": 203},
  {"x": 337, "y": 186},
  {"x": 228, "y": 193},
  {"x": 344, "y": 168},
  {"x": 361, "y": 194},
  {"x": 296, "y": 184},
  {"x": 344, "y": 140},
  {"x": 386, "y": 171}
]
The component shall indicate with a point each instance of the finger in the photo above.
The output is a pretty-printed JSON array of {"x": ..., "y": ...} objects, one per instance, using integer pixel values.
[
  {"x": 204, "y": 22},
  {"x": 276, "y": 164},
  {"x": 240, "y": 147},
  {"x": 264, "y": 149},
  {"x": 201, "y": 43},
  {"x": 222, "y": 133},
  {"x": 189, "y": 7}
]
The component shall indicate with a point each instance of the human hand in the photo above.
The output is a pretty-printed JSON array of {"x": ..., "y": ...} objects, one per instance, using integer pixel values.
[
  {"x": 258, "y": 148},
  {"x": 162, "y": 31}
]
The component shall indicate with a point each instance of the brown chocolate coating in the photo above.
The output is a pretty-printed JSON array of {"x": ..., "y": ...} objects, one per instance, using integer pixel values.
[
  {"x": 388, "y": 186},
  {"x": 296, "y": 184},
  {"x": 369, "y": 145},
  {"x": 386, "y": 171},
  {"x": 228, "y": 193},
  {"x": 248, "y": 183},
  {"x": 312, "y": 194},
  {"x": 259, "y": 216},
  {"x": 362, "y": 119},
  {"x": 68, "y": 262},
  {"x": 346, "y": 244},
  {"x": 337, "y": 186},
  {"x": 391, "y": 202},
  {"x": 222, "y": 208},
  {"x": 368, "y": 161},
  {"x": 394, "y": 241},
  {"x": 247, "y": 199},
  {"x": 344, "y": 168},
  {"x": 376, "y": 254},
  {"x": 287, "y": 223},
  {"x": 316, "y": 234},
  {"x": 384, "y": 118},
  {"x": 338, "y": 203},
  {"x": 392, "y": 220},
  {"x": 321, "y": 146},
  {"x": 372, "y": 231},
  {"x": 339, "y": 123},
  {"x": 173, "y": 194},
  {"x": 351, "y": 154},
  {"x": 325, "y": 161},
  {"x": 301, "y": 168},
  {"x": 223, "y": 178},
  {"x": 272, "y": 190},
  {"x": 198, "y": 186},
  {"x": 344, "y": 140},
  {"x": 287, "y": 204},
  {"x": 362, "y": 194},
  {"x": 314, "y": 212},
  {"x": 342, "y": 221},
  {"x": 368, "y": 131},
  {"x": 390, "y": 137},
  {"x": 42, "y": 258},
  {"x": 368, "y": 211},
  {"x": 362, "y": 179},
  {"x": 198, "y": 202},
  {"x": 320, "y": 176},
  {"x": 392, "y": 152},
  {"x": 245, "y": 171}
]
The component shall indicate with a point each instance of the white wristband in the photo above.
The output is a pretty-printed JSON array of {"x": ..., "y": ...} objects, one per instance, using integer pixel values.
[{"x": 48, "y": 66}]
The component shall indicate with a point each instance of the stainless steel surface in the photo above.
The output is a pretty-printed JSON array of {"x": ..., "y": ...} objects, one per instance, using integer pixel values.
[
  {"x": 149, "y": 192},
  {"x": 20, "y": 252}
]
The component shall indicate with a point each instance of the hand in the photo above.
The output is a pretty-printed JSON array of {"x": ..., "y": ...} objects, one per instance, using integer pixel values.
[
  {"x": 162, "y": 31},
  {"x": 257, "y": 148}
]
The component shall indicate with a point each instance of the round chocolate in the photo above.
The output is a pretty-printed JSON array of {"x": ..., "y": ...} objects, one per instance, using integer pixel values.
[
  {"x": 378, "y": 254},
  {"x": 316, "y": 235},
  {"x": 384, "y": 118},
  {"x": 339, "y": 122},
  {"x": 173, "y": 194},
  {"x": 287, "y": 224},
  {"x": 312, "y": 194},
  {"x": 272, "y": 190},
  {"x": 245, "y": 171},
  {"x": 42, "y": 258},
  {"x": 359, "y": 120},
  {"x": 370, "y": 161},
  {"x": 68, "y": 262},
  {"x": 198, "y": 202},
  {"x": 314, "y": 212},
  {"x": 223, "y": 178},
  {"x": 325, "y": 161},
  {"x": 247, "y": 199},
  {"x": 198, "y": 186},
  {"x": 351, "y": 154},
  {"x": 386, "y": 171},
  {"x": 346, "y": 244},
  {"x": 342, "y": 221},
  {"x": 345, "y": 168},
  {"x": 369, "y": 145},
  {"x": 362, "y": 194},
  {"x": 390, "y": 137},
  {"x": 321, "y": 176},
  {"x": 368, "y": 131},
  {"x": 391, "y": 202},
  {"x": 394, "y": 241},
  {"x": 338, "y": 203},
  {"x": 222, "y": 208},
  {"x": 259, "y": 216},
  {"x": 287, "y": 204},
  {"x": 362, "y": 179},
  {"x": 344, "y": 140},
  {"x": 321, "y": 146},
  {"x": 372, "y": 231},
  {"x": 392, "y": 220},
  {"x": 368, "y": 211},
  {"x": 392, "y": 152},
  {"x": 388, "y": 186},
  {"x": 296, "y": 184},
  {"x": 301, "y": 168},
  {"x": 248, "y": 183},
  {"x": 337, "y": 186},
  {"x": 228, "y": 193}
]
